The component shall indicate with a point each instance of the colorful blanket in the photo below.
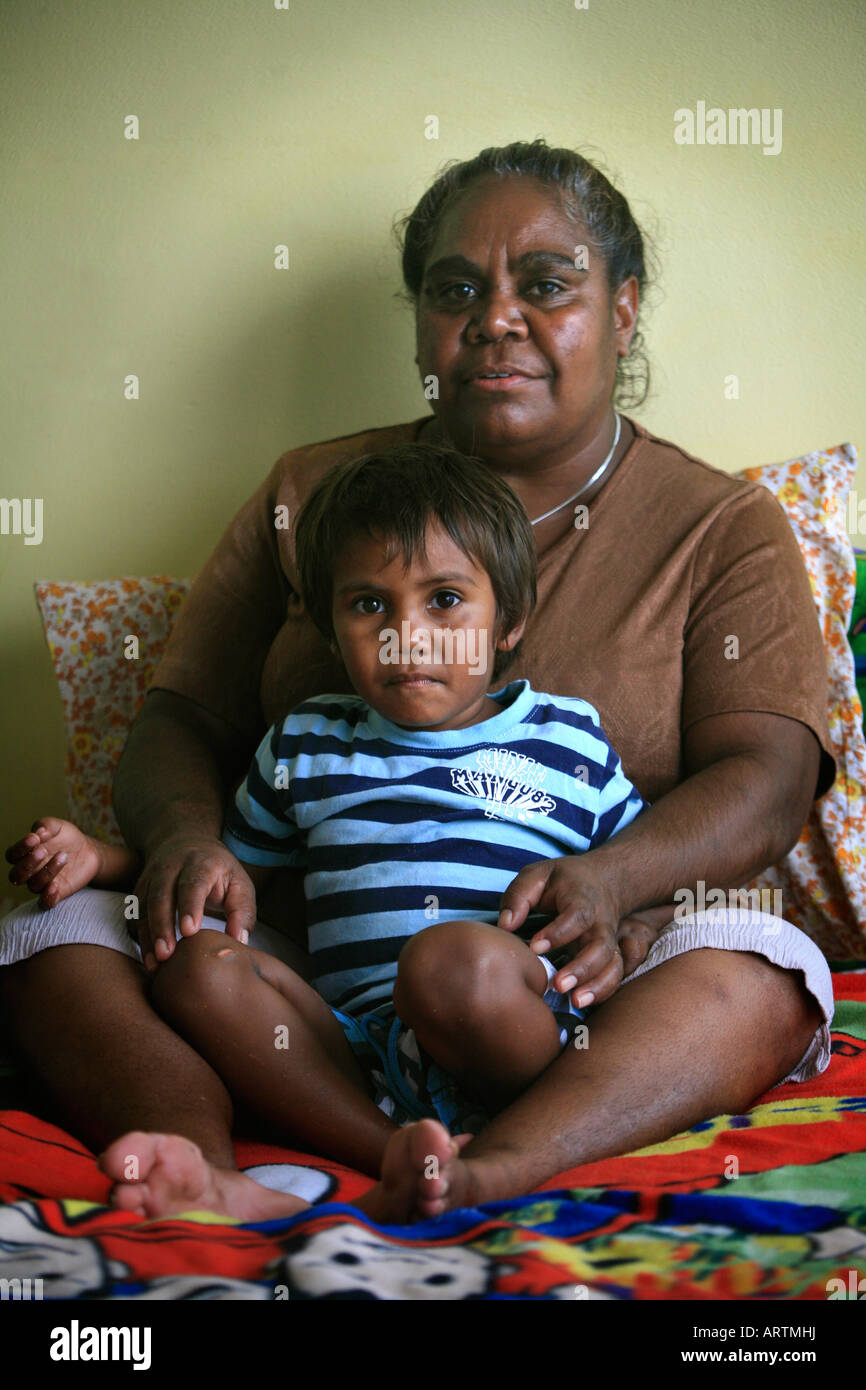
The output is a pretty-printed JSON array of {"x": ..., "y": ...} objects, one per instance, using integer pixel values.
[{"x": 766, "y": 1205}]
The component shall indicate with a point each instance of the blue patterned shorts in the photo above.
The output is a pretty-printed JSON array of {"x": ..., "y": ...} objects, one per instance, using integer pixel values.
[{"x": 407, "y": 1084}]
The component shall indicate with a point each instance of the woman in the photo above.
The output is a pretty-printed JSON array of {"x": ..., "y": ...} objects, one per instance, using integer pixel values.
[{"x": 671, "y": 596}]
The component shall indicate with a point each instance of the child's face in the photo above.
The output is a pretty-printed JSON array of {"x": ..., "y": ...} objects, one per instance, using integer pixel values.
[{"x": 418, "y": 643}]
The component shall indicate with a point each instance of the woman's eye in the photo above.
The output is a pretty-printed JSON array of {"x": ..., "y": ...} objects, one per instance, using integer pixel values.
[
  {"x": 448, "y": 292},
  {"x": 446, "y": 594},
  {"x": 460, "y": 293},
  {"x": 553, "y": 285}
]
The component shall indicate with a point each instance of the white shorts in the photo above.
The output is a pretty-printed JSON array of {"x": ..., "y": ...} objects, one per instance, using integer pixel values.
[{"x": 95, "y": 917}]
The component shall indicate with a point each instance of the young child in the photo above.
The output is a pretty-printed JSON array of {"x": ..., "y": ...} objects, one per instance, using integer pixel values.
[{"x": 412, "y": 805}]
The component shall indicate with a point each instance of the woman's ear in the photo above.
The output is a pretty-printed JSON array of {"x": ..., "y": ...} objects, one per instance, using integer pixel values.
[{"x": 625, "y": 309}]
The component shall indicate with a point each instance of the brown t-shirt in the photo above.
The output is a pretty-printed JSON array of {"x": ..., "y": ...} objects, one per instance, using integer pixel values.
[{"x": 635, "y": 613}]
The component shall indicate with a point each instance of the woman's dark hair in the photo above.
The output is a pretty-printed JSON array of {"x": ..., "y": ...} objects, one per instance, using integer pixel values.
[
  {"x": 395, "y": 495},
  {"x": 587, "y": 196}
]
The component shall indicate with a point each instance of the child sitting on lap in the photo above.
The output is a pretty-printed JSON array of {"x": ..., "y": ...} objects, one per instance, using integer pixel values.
[{"x": 411, "y": 805}]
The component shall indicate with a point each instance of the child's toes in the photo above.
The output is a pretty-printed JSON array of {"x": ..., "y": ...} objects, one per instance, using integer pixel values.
[
  {"x": 129, "y": 1158},
  {"x": 130, "y": 1198}
]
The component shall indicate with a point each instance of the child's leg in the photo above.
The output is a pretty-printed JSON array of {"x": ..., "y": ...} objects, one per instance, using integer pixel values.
[
  {"x": 474, "y": 996},
  {"x": 275, "y": 1044}
]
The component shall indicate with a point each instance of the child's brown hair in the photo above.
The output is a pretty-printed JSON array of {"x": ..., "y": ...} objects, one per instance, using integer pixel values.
[{"x": 395, "y": 495}]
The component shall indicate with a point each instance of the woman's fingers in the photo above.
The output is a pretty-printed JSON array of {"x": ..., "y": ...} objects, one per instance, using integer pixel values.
[
  {"x": 567, "y": 890},
  {"x": 223, "y": 884},
  {"x": 600, "y": 987},
  {"x": 596, "y": 971},
  {"x": 191, "y": 878},
  {"x": 170, "y": 891},
  {"x": 523, "y": 894},
  {"x": 635, "y": 938},
  {"x": 191, "y": 892},
  {"x": 156, "y": 926},
  {"x": 193, "y": 888},
  {"x": 239, "y": 906},
  {"x": 214, "y": 886}
]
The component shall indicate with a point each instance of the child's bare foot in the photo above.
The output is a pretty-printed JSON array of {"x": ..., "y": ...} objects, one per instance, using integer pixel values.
[
  {"x": 422, "y": 1176},
  {"x": 163, "y": 1174}
]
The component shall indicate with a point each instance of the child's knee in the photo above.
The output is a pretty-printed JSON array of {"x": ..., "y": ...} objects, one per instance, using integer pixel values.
[
  {"x": 457, "y": 974},
  {"x": 205, "y": 966}
]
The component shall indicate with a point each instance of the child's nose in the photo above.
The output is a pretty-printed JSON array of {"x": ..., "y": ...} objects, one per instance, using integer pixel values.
[{"x": 411, "y": 613}]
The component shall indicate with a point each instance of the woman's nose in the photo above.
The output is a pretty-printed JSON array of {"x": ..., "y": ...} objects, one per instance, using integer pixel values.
[{"x": 497, "y": 315}]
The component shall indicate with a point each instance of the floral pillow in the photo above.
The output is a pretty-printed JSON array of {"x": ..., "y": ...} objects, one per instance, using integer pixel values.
[
  {"x": 105, "y": 639},
  {"x": 823, "y": 879}
]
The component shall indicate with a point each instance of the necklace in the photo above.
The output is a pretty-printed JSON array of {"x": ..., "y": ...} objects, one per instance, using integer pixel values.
[{"x": 602, "y": 468}]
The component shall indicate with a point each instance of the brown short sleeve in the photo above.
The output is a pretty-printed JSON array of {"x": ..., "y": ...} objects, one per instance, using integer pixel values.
[
  {"x": 229, "y": 619},
  {"x": 243, "y": 646},
  {"x": 753, "y": 640}
]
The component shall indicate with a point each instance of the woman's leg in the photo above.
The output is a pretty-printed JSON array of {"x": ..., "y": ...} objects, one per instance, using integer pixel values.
[
  {"x": 691, "y": 1035},
  {"x": 702, "y": 1034},
  {"x": 80, "y": 1019}
]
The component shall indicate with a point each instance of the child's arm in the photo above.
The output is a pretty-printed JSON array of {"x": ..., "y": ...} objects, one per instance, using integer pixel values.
[{"x": 56, "y": 859}]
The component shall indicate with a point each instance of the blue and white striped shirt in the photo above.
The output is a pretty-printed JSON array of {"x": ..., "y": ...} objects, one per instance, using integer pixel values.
[{"x": 399, "y": 828}]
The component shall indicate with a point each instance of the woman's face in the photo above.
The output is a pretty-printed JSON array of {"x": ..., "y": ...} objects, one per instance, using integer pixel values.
[{"x": 501, "y": 290}]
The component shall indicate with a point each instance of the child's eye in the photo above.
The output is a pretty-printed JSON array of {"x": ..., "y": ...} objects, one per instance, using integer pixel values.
[
  {"x": 368, "y": 599},
  {"x": 447, "y": 594}
]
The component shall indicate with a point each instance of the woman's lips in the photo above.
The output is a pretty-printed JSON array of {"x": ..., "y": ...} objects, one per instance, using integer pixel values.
[{"x": 499, "y": 383}]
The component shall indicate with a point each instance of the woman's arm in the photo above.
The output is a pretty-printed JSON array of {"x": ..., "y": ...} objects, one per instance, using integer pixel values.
[
  {"x": 169, "y": 794},
  {"x": 750, "y": 786}
]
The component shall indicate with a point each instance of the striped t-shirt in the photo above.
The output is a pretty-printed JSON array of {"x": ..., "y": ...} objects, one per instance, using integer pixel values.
[{"x": 398, "y": 828}]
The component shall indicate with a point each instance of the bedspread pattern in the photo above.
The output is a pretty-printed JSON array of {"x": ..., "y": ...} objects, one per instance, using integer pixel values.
[{"x": 766, "y": 1205}]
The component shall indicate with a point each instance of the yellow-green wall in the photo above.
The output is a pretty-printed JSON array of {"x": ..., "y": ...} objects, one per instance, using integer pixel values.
[{"x": 305, "y": 125}]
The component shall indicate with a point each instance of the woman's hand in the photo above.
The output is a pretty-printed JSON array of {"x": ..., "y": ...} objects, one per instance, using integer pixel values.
[
  {"x": 637, "y": 932},
  {"x": 190, "y": 873},
  {"x": 585, "y": 910},
  {"x": 54, "y": 860}
]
